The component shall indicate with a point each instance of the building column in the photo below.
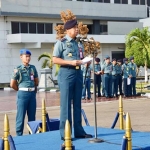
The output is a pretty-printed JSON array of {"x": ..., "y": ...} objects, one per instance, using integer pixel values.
[
  {"x": 96, "y": 27},
  {"x": 129, "y": 1},
  {"x": 112, "y": 1}
]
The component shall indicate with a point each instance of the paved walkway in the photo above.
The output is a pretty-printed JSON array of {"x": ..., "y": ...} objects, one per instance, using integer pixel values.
[{"x": 139, "y": 109}]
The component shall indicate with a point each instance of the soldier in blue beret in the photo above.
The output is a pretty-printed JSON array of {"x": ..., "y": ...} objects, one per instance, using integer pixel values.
[
  {"x": 25, "y": 81},
  {"x": 126, "y": 75},
  {"x": 119, "y": 76},
  {"x": 68, "y": 54},
  {"x": 97, "y": 76},
  {"x": 133, "y": 69},
  {"x": 86, "y": 81},
  {"x": 107, "y": 69},
  {"x": 114, "y": 78}
]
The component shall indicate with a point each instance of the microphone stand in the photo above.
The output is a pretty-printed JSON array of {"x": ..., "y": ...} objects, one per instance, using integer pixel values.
[{"x": 95, "y": 139}]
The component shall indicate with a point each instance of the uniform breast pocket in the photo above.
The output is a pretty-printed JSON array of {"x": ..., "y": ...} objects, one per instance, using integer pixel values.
[
  {"x": 25, "y": 76},
  {"x": 69, "y": 52}
]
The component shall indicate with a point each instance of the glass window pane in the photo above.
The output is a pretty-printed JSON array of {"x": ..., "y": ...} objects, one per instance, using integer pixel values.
[
  {"x": 148, "y": 2},
  {"x": 117, "y": 1},
  {"x": 104, "y": 28},
  {"x": 136, "y": 2},
  {"x": 100, "y": 0},
  {"x": 32, "y": 27},
  {"x": 124, "y": 1},
  {"x": 106, "y": 1},
  {"x": 14, "y": 27},
  {"x": 89, "y": 26},
  {"x": 142, "y": 2},
  {"x": 48, "y": 28},
  {"x": 24, "y": 27},
  {"x": 40, "y": 28}
]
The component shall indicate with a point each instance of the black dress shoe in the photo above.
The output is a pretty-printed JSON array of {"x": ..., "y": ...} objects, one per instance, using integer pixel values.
[
  {"x": 84, "y": 136},
  {"x": 110, "y": 96}
]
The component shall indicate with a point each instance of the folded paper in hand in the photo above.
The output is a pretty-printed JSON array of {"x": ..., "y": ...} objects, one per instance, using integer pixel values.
[{"x": 86, "y": 59}]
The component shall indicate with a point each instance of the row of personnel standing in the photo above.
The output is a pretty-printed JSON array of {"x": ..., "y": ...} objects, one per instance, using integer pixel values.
[{"x": 111, "y": 75}]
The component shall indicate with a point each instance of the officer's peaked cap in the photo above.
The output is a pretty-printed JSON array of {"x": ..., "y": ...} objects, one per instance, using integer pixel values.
[
  {"x": 114, "y": 59},
  {"x": 107, "y": 57},
  {"x": 97, "y": 59},
  {"x": 131, "y": 58},
  {"x": 70, "y": 24},
  {"x": 25, "y": 51},
  {"x": 125, "y": 59}
]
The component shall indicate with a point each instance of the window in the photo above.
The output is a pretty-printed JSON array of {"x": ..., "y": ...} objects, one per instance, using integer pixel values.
[
  {"x": 117, "y": 1},
  {"x": 148, "y": 2},
  {"x": 32, "y": 27},
  {"x": 48, "y": 28},
  {"x": 104, "y": 1},
  {"x": 142, "y": 2},
  {"x": 136, "y": 2},
  {"x": 89, "y": 26},
  {"x": 124, "y": 1},
  {"x": 103, "y": 28},
  {"x": 14, "y": 27},
  {"x": 24, "y": 27},
  {"x": 40, "y": 28}
]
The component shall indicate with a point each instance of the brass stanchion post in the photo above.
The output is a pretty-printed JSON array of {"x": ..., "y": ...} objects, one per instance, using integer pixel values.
[
  {"x": 6, "y": 133},
  {"x": 68, "y": 143},
  {"x": 128, "y": 132},
  {"x": 121, "y": 121},
  {"x": 43, "y": 116}
]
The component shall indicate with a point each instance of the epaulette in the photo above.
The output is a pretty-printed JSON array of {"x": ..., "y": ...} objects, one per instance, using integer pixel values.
[{"x": 63, "y": 39}]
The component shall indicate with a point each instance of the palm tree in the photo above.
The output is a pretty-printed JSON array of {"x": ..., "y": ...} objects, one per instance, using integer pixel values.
[
  {"x": 48, "y": 62},
  {"x": 139, "y": 39}
]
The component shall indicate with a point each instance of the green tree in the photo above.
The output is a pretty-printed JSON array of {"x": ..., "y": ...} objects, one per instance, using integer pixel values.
[
  {"x": 138, "y": 45},
  {"x": 48, "y": 62}
]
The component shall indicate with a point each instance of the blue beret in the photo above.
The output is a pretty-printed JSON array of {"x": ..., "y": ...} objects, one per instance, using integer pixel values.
[
  {"x": 25, "y": 51},
  {"x": 97, "y": 59},
  {"x": 114, "y": 59},
  {"x": 125, "y": 59},
  {"x": 131, "y": 58},
  {"x": 70, "y": 24},
  {"x": 107, "y": 57}
]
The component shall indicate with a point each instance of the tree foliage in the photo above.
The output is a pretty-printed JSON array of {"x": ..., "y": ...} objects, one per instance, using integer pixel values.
[
  {"x": 48, "y": 62},
  {"x": 138, "y": 45}
]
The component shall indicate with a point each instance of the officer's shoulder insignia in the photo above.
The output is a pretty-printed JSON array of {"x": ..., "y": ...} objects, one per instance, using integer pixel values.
[
  {"x": 63, "y": 39},
  {"x": 15, "y": 70}
]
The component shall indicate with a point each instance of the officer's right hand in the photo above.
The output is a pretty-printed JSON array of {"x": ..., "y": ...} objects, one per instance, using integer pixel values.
[{"x": 76, "y": 62}]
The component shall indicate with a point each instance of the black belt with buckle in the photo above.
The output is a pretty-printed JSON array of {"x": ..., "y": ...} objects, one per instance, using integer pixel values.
[
  {"x": 119, "y": 74},
  {"x": 114, "y": 75},
  {"x": 108, "y": 73},
  {"x": 72, "y": 67}
]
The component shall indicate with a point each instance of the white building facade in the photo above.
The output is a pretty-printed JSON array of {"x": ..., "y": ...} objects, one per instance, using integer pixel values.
[{"x": 30, "y": 24}]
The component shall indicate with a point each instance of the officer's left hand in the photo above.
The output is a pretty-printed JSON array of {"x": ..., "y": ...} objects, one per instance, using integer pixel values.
[{"x": 76, "y": 62}]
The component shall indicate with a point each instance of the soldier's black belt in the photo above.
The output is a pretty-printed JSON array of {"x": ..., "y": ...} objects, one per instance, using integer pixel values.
[
  {"x": 108, "y": 73},
  {"x": 72, "y": 67},
  {"x": 114, "y": 75},
  {"x": 119, "y": 74}
]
